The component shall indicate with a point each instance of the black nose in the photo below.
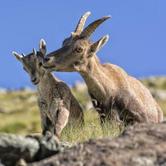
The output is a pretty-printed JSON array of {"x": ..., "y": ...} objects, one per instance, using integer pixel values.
[{"x": 33, "y": 79}]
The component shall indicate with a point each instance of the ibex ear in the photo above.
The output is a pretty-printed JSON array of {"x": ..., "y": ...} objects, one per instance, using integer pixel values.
[
  {"x": 42, "y": 47},
  {"x": 34, "y": 52},
  {"x": 95, "y": 47},
  {"x": 18, "y": 56}
]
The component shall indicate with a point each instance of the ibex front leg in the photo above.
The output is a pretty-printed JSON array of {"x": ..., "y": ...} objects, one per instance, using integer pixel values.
[
  {"x": 60, "y": 116},
  {"x": 46, "y": 122},
  {"x": 61, "y": 121},
  {"x": 101, "y": 111}
]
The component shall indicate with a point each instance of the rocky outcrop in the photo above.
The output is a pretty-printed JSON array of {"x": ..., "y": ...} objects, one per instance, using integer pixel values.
[
  {"x": 139, "y": 145},
  {"x": 14, "y": 148}
]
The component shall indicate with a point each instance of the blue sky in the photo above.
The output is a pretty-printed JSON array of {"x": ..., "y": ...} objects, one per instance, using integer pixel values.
[{"x": 137, "y": 34}]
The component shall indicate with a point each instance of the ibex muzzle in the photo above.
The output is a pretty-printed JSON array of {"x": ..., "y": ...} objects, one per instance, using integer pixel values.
[{"x": 32, "y": 64}]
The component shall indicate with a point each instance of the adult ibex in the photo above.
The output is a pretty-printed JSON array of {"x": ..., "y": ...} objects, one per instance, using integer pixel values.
[
  {"x": 109, "y": 86},
  {"x": 57, "y": 104}
]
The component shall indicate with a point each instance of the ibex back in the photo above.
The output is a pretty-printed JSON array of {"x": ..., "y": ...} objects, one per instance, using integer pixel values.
[
  {"x": 109, "y": 86},
  {"x": 55, "y": 100}
]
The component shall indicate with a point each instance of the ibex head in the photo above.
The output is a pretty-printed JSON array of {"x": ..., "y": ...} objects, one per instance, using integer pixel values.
[
  {"x": 32, "y": 63},
  {"x": 77, "y": 49}
]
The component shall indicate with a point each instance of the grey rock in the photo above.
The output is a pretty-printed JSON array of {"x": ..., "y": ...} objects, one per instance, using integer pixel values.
[
  {"x": 14, "y": 148},
  {"x": 139, "y": 145}
]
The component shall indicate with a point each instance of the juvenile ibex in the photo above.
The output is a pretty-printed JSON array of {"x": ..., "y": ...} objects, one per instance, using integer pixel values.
[
  {"x": 109, "y": 86},
  {"x": 56, "y": 102}
]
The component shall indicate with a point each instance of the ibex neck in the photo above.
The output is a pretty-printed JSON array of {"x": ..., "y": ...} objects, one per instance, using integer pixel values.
[
  {"x": 96, "y": 79},
  {"x": 46, "y": 82}
]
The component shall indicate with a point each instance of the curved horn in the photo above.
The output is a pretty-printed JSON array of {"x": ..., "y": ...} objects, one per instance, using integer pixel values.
[
  {"x": 81, "y": 23},
  {"x": 92, "y": 27}
]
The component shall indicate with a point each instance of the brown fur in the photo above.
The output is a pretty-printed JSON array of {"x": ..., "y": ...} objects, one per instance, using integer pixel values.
[
  {"x": 109, "y": 86},
  {"x": 57, "y": 104}
]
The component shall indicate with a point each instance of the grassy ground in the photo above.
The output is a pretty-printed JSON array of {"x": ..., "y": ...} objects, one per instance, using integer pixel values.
[
  {"x": 29, "y": 122},
  {"x": 20, "y": 115}
]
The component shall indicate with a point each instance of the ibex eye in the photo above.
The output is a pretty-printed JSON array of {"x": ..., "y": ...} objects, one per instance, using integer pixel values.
[{"x": 78, "y": 49}]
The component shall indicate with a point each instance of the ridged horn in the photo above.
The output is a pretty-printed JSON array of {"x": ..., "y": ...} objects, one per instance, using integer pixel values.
[
  {"x": 81, "y": 23},
  {"x": 92, "y": 27}
]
